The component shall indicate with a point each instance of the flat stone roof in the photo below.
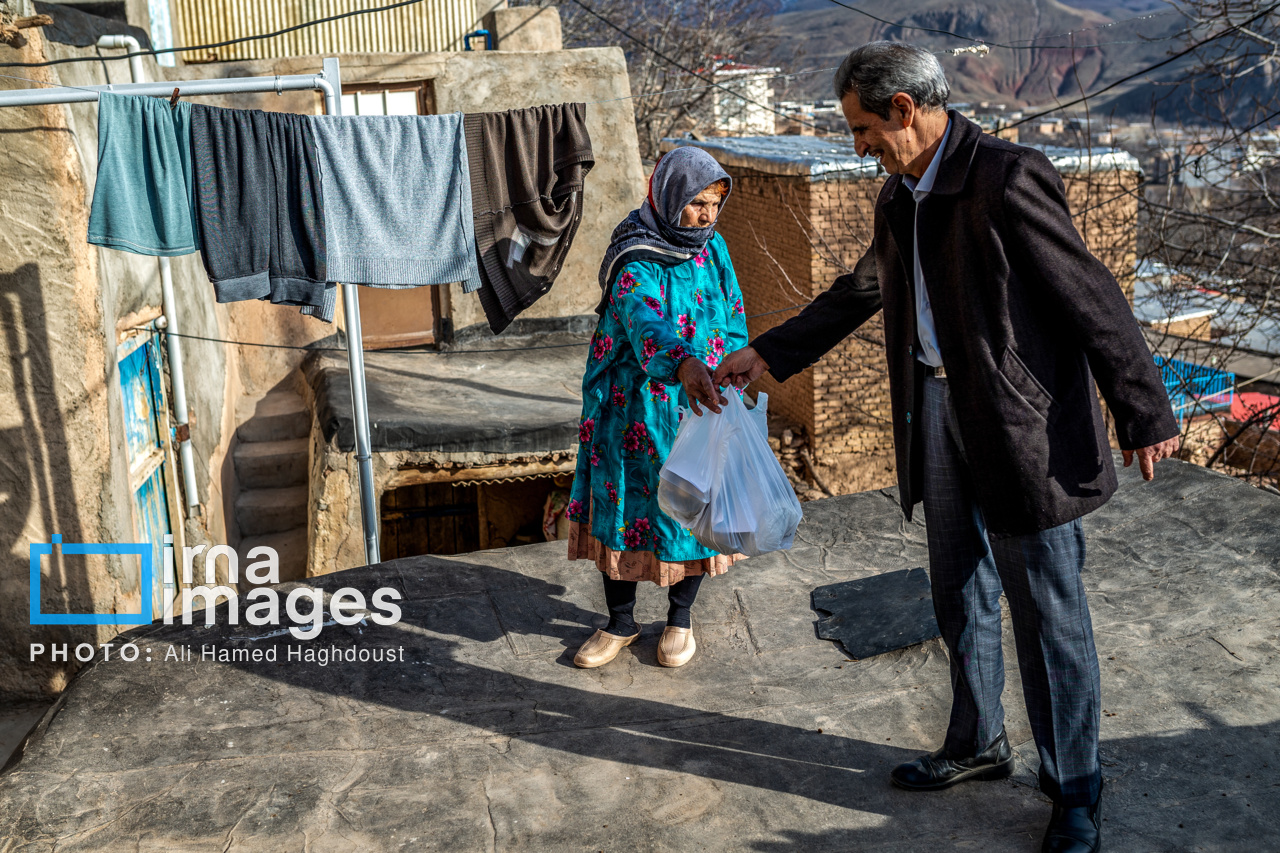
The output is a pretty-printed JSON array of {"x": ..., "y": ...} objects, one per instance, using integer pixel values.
[
  {"x": 488, "y": 396},
  {"x": 487, "y": 738},
  {"x": 835, "y": 156}
]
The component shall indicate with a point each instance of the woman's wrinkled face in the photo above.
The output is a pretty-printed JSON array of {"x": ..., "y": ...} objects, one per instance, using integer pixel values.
[{"x": 703, "y": 210}]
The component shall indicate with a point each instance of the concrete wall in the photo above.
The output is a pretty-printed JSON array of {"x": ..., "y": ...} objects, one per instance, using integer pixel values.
[{"x": 498, "y": 80}]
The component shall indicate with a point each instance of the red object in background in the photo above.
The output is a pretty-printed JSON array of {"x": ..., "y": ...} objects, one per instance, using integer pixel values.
[{"x": 1248, "y": 403}]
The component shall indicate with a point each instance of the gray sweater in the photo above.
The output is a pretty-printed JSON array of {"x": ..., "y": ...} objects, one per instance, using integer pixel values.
[{"x": 397, "y": 200}]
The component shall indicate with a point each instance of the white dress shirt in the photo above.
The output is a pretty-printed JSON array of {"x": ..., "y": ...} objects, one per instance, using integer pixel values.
[{"x": 926, "y": 331}]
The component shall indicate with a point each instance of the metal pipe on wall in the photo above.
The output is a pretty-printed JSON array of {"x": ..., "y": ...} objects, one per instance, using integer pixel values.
[
  {"x": 231, "y": 86},
  {"x": 173, "y": 343},
  {"x": 130, "y": 44},
  {"x": 176, "y": 372}
]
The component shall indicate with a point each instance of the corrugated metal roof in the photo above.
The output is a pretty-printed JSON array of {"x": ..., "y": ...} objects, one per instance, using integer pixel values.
[{"x": 430, "y": 26}]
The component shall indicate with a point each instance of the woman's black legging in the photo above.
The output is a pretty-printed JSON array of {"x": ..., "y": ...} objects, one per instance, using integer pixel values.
[{"x": 620, "y": 597}]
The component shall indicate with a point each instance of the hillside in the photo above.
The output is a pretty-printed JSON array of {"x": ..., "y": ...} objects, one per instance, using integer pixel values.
[{"x": 1035, "y": 70}]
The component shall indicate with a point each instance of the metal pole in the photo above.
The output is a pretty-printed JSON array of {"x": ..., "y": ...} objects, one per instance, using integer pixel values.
[
  {"x": 173, "y": 343},
  {"x": 231, "y": 86},
  {"x": 355, "y": 363},
  {"x": 173, "y": 346}
]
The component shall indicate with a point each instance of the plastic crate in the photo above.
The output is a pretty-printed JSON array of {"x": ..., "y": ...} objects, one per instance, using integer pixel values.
[{"x": 1195, "y": 389}]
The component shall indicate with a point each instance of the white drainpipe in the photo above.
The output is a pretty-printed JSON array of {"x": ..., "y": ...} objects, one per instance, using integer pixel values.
[
  {"x": 169, "y": 322},
  {"x": 131, "y": 44}
]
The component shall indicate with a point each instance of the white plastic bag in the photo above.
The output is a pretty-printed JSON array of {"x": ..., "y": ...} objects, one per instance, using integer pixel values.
[{"x": 723, "y": 483}]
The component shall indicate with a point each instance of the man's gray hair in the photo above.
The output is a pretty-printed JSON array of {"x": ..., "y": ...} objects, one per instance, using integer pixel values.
[{"x": 881, "y": 69}]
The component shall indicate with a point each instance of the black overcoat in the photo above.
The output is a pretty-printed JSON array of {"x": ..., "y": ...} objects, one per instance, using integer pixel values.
[{"x": 1027, "y": 320}]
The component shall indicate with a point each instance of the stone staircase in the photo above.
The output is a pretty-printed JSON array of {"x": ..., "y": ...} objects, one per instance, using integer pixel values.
[{"x": 272, "y": 457}]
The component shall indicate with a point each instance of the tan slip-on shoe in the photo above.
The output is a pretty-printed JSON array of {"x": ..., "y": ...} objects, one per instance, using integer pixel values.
[
  {"x": 601, "y": 649},
  {"x": 677, "y": 646}
]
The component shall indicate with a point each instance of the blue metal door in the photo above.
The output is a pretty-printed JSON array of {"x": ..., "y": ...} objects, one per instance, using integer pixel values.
[{"x": 145, "y": 434}]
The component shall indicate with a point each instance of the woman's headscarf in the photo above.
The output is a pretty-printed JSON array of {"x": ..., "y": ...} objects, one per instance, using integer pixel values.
[{"x": 653, "y": 231}]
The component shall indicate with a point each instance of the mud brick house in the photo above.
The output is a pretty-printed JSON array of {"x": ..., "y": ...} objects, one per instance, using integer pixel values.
[
  {"x": 801, "y": 215},
  {"x": 88, "y": 438}
]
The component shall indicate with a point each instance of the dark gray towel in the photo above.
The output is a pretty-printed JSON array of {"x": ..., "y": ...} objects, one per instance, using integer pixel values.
[
  {"x": 259, "y": 207},
  {"x": 527, "y": 174}
]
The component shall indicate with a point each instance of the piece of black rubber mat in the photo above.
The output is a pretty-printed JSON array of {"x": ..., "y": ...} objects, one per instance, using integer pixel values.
[{"x": 878, "y": 614}]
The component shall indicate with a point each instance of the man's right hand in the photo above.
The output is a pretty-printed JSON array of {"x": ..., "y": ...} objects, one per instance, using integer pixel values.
[{"x": 740, "y": 368}]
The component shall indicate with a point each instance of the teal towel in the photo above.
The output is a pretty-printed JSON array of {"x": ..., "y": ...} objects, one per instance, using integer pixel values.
[{"x": 142, "y": 200}]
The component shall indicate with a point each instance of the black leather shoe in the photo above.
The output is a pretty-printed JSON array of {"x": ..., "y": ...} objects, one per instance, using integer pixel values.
[
  {"x": 937, "y": 770},
  {"x": 1074, "y": 830}
]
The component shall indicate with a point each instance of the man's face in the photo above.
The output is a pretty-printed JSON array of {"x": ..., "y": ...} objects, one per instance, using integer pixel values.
[{"x": 888, "y": 140}]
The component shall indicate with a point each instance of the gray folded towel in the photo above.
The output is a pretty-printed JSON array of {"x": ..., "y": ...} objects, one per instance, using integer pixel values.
[{"x": 397, "y": 200}]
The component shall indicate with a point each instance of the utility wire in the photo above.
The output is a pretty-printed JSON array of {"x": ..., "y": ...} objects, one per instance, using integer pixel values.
[
  {"x": 1172, "y": 58},
  {"x": 47, "y": 83},
  {"x": 903, "y": 26},
  {"x": 392, "y": 351},
  {"x": 1102, "y": 27},
  {"x": 1017, "y": 45},
  {"x": 343, "y": 349}
]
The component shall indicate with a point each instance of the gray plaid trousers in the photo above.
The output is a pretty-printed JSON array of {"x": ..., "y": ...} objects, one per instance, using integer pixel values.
[{"x": 1040, "y": 576}]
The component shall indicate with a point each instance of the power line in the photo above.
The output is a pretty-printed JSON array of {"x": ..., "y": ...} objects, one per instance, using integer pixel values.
[
  {"x": 47, "y": 83},
  {"x": 226, "y": 43},
  {"x": 1173, "y": 58},
  {"x": 263, "y": 345},
  {"x": 343, "y": 349},
  {"x": 1104, "y": 26},
  {"x": 1017, "y": 45},
  {"x": 903, "y": 26},
  {"x": 683, "y": 67},
  {"x": 712, "y": 86}
]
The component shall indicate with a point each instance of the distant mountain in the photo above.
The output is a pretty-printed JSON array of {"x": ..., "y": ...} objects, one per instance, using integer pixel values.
[{"x": 1054, "y": 51}]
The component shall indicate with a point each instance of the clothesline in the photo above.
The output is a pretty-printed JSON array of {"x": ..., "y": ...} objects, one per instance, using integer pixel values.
[
  {"x": 589, "y": 103},
  {"x": 184, "y": 335},
  {"x": 162, "y": 332}
]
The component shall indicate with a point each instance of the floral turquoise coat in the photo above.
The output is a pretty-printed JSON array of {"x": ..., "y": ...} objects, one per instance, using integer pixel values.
[{"x": 657, "y": 316}]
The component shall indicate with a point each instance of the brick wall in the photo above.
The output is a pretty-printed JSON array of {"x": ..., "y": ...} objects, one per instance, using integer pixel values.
[
  {"x": 1105, "y": 209},
  {"x": 774, "y": 263},
  {"x": 790, "y": 237}
]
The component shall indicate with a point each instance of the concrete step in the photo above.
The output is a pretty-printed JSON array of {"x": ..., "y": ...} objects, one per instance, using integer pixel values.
[
  {"x": 272, "y": 464},
  {"x": 290, "y": 546},
  {"x": 278, "y": 416},
  {"x": 263, "y": 511}
]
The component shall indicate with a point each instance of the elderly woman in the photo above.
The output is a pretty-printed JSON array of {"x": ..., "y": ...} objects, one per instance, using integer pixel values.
[{"x": 671, "y": 309}]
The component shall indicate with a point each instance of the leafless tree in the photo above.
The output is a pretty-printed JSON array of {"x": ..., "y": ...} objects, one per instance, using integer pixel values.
[
  {"x": 664, "y": 41},
  {"x": 1211, "y": 221}
]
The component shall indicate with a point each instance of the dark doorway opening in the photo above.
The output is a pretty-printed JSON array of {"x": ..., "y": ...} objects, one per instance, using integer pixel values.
[{"x": 447, "y": 518}]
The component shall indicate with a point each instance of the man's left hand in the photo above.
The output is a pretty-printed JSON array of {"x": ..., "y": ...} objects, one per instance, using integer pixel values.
[{"x": 1149, "y": 456}]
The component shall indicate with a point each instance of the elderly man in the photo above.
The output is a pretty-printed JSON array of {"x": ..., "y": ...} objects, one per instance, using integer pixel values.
[{"x": 998, "y": 322}]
